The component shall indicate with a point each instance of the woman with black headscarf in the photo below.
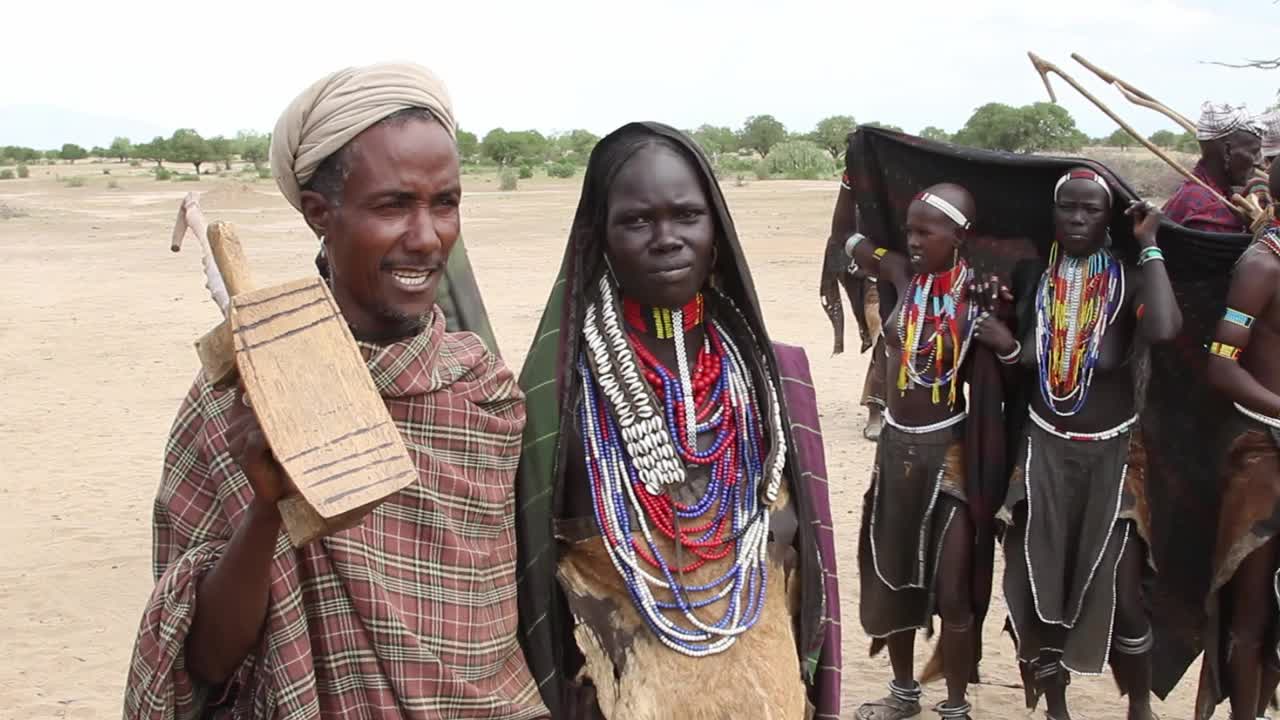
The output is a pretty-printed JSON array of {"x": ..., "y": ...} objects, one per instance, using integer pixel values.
[{"x": 676, "y": 556}]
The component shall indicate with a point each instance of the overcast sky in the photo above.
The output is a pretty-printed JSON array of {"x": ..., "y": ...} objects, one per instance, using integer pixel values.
[{"x": 140, "y": 65}]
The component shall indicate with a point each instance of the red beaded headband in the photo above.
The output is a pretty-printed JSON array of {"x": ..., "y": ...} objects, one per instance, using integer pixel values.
[{"x": 1082, "y": 174}]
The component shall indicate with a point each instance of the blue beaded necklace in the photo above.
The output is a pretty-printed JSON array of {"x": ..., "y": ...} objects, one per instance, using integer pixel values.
[{"x": 628, "y": 511}]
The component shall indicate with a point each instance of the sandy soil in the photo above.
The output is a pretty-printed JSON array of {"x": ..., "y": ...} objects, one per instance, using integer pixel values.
[{"x": 95, "y": 355}]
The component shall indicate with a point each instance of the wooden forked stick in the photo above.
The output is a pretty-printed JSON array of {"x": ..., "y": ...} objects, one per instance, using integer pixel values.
[
  {"x": 1136, "y": 96},
  {"x": 1044, "y": 67},
  {"x": 191, "y": 219}
]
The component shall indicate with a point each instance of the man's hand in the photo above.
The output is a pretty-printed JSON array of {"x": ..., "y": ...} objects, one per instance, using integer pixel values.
[{"x": 248, "y": 445}]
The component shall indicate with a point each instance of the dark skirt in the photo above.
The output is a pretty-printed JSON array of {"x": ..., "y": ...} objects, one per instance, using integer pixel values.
[
  {"x": 1072, "y": 508},
  {"x": 1248, "y": 518},
  {"x": 917, "y": 487}
]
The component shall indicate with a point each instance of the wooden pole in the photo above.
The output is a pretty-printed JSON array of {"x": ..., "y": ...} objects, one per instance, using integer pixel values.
[
  {"x": 1044, "y": 67},
  {"x": 1136, "y": 96}
]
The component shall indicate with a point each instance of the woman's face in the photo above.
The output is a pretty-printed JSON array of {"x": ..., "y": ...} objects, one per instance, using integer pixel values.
[
  {"x": 932, "y": 238},
  {"x": 660, "y": 234},
  {"x": 1080, "y": 217}
]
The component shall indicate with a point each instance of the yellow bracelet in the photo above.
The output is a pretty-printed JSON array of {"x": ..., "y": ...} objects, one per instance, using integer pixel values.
[
  {"x": 1230, "y": 352},
  {"x": 880, "y": 253}
]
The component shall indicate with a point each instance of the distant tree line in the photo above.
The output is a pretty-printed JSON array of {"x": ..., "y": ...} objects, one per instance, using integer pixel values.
[{"x": 1039, "y": 127}]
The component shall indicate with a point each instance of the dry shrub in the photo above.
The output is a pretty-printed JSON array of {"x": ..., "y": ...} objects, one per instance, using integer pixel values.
[{"x": 9, "y": 211}]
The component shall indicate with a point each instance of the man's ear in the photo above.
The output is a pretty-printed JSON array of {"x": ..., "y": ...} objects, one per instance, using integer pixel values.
[{"x": 317, "y": 211}]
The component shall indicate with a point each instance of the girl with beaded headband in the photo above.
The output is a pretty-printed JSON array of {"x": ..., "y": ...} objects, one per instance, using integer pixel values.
[
  {"x": 671, "y": 492},
  {"x": 1241, "y": 649},
  {"x": 1076, "y": 544},
  {"x": 916, "y": 548}
]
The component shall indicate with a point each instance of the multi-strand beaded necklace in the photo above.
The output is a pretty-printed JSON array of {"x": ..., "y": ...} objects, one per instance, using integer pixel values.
[
  {"x": 937, "y": 300},
  {"x": 1079, "y": 298},
  {"x": 640, "y": 423},
  {"x": 1270, "y": 239}
]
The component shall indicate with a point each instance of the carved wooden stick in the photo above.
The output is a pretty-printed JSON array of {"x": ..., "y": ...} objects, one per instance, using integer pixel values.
[
  {"x": 1136, "y": 96},
  {"x": 191, "y": 218},
  {"x": 1044, "y": 67}
]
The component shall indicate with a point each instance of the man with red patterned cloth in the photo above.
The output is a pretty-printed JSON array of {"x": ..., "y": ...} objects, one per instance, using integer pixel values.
[{"x": 1230, "y": 142}]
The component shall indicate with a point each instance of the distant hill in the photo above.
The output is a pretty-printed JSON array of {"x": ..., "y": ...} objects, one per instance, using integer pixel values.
[{"x": 45, "y": 127}]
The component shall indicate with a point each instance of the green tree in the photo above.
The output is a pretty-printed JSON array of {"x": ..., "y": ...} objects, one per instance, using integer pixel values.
[
  {"x": 72, "y": 152},
  {"x": 799, "y": 160},
  {"x": 1050, "y": 127},
  {"x": 761, "y": 133},
  {"x": 499, "y": 146},
  {"x": 156, "y": 151},
  {"x": 468, "y": 145},
  {"x": 715, "y": 140},
  {"x": 254, "y": 147},
  {"x": 99, "y": 152},
  {"x": 884, "y": 126},
  {"x": 575, "y": 146},
  {"x": 832, "y": 134},
  {"x": 531, "y": 146},
  {"x": 186, "y": 146},
  {"x": 121, "y": 148},
  {"x": 1187, "y": 142},
  {"x": 935, "y": 133},
  {"x": 1164, "y": 138},
  {"x": 1031, "y": 128},
  {"x": 1120, "y": 139},
  {"x": 19, "y": 154},
  {"x": 222, "y": 150}
]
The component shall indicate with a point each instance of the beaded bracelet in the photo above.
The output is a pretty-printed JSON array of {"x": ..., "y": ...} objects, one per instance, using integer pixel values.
[
  {"x": 1230, "y": 352},
  {"x": 1012, "y": 357},
  {"x": 1150, "y": 254},
  {"x": 852, "y": 243},
  {"x": 1235, "y": 317}
]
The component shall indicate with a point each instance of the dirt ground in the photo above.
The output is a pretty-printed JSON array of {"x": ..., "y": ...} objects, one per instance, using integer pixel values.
[{"x": 96, "y": 353}]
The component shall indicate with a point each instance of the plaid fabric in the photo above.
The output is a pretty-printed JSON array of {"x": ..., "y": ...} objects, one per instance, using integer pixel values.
[
  {"x": 1194, "y": 207},
  {"x": 410, "y": 614}
]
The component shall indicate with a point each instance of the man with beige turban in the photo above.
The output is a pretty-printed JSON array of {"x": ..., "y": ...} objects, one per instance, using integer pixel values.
[{"x": 412, "y": 613}]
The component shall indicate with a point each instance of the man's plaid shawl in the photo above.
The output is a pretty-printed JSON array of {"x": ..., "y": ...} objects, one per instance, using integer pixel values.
[{"x": 410, "y": 614}]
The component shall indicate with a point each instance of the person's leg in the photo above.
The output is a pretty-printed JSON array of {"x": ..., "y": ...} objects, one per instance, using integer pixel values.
[
  {"x": 955, "y": 604},
  {"x": 903, "y": 700},
  {"x": 1250, "y": 601},
  {"x": 1132, "y": 639}
]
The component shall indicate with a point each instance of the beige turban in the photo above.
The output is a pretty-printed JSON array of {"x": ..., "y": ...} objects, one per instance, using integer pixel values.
[{"x": 342, "y": 105}]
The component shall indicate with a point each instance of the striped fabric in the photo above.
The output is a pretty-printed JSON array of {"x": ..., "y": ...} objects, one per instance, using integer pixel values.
[
  {"x": 411, "y": 614},
  {"x": 811, "y": 459}
]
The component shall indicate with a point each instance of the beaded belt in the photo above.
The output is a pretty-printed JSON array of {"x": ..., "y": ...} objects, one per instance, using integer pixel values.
[
  {"x": 1114, "y": 432},
  {"x": 924, "y": 429},
  {"x": 1264, "y": 419}
]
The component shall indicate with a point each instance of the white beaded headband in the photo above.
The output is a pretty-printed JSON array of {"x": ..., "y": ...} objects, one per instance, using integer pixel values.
[{"x": 947, "y": 208}]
